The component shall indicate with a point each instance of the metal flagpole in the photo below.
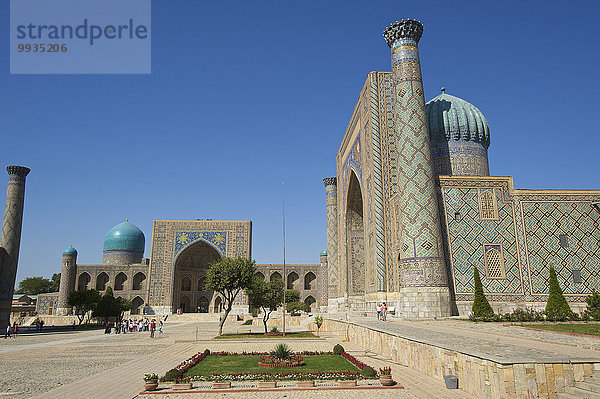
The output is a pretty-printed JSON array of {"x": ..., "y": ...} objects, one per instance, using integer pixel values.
[{"x": 283, "y": 225}]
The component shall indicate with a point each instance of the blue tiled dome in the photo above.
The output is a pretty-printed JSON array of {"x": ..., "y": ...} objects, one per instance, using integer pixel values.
[
  {"x": 70, "y": 251},
  {"x": 124, "y": 237},
  {"x": 452, "y": 119},
  {"x": 324, "y": 252}
]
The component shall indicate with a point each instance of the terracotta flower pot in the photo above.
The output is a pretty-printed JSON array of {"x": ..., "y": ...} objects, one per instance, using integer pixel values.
[
  {"x": 267, "y": 384},
  {"x": 386, "y": 380},
  {"x": 151, "y": 385},
  {"x": 346, "y": 383},
  {"x": 305, "y": 384},
  {"x": 221, "y": 384},
  {"x": 182, "y": 386}
]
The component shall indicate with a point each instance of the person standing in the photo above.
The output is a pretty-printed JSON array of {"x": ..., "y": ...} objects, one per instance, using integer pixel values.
[
  {"x": 16, "y": 329},
  {"x": 7, "y": 332},
  {"x": 160, "y": 325},
  {"x": 383, "y": 312},
  {"x": 378, "y": 308},
  {"x": 152, "y": 328},
  {"x": 73, "y": 325}
]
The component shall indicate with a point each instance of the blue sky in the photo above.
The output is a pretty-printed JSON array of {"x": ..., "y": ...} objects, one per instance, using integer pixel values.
[{"x": 243, "y": 95}]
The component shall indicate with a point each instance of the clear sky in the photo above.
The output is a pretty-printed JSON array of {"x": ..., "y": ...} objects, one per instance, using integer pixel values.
[{"x": 245, "y": 94}]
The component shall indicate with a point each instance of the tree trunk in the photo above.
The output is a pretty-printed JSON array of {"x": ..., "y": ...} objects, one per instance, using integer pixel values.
[
  {"x": 222, "y": 321},
  {"x": 265, "y": 318}
]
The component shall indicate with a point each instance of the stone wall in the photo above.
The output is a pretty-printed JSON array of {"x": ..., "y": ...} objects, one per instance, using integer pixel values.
[{"x": 480, "y": 377}]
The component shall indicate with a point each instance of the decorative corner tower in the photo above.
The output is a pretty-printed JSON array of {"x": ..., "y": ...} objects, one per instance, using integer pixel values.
[
  {"x": 423, "y": 281},
  {"x": 331, "y": 204},
  {"x": 67, "y": 281},
  {"x": 10, "y": 240}
]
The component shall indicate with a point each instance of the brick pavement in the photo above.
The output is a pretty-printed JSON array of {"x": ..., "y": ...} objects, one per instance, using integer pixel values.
[{"x": 123, "y": 378}]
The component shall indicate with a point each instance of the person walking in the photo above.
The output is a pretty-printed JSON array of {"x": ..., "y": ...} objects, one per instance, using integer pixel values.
[
  {"x": 160, "y": 324},
  {"x": 7, "y": 332},
  {"x": 378, "y": 308},
  {"x": 16, "y": 330}
]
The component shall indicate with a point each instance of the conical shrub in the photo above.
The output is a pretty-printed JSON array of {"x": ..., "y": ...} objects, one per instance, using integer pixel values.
[
  {"x": 481, "y": 306},
  {"x": 557, "y": 307}
]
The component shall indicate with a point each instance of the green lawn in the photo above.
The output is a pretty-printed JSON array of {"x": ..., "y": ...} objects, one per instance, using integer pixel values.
[
  {"x": 590, "y": 329},
  {"x": 301, "y": 334},
  {"x": 233, "y": 364}
]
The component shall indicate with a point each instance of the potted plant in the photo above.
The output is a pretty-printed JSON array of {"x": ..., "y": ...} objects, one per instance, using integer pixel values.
[
  {"x": 385, "y": 376},
  {"x": 267, "y": 381},
  {"x": 182, "y": 383},
  {"x": 150, "y": 381},
  {"x": 219, "y": 381}
]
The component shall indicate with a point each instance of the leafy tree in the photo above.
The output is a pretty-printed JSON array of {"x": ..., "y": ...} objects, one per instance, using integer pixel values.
[
  {"x": 481, "y": 306},
  {"x": 265, "y": 295},
  {"x": 229, "y": 276},
  {"x": 125, "y": 305},
  {"x": 318, "y": 323},
  {"x": 108, "y": 306},
  {"x": 55, "y": 280},
  {"x": 292, "y": 296},
  {"x": 34, "y": 286},
  {"x": 557, "y": 306},
  {"x": 83, "y": 301},
  {"x": 295, "y": 307}
]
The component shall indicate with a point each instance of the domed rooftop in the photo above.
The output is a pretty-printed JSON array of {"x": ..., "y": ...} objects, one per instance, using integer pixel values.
[
  {"x": 455, "y": 119},
  {"x": 125, "y": 237},
  {"x": 70, "y": 251},
  {"x": 324, "y": 252}
]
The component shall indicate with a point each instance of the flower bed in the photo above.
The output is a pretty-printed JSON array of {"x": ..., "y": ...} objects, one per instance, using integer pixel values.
[
  {"x": 177, "y": 374},
  {"x": 271, "y": 361}
]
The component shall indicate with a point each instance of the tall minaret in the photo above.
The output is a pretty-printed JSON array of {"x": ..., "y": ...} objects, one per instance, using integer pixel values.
[
  {"x": 67, "y": 281},
  {"x": 10, "y": 240},
  {"x": 423, "y": 280},
  {"x": 331, "y": 207}
]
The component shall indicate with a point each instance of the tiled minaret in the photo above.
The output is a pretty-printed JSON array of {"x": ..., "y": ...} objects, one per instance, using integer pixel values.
[
  {"x": 332, "y": 240},
  {"x": 68, "y": 276},
  {"x": 10, "y": 239},
  {"x": 423, "y": 281}
]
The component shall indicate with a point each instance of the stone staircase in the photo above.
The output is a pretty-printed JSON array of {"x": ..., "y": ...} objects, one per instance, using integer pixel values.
[{"x": 587, "y": 389}]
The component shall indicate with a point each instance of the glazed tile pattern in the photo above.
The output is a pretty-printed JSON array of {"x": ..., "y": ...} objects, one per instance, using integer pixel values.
[
  {"x": 10, "y": 239},
  {"x": 422, "y": 262},
  {"x": 528, "y": 228}
]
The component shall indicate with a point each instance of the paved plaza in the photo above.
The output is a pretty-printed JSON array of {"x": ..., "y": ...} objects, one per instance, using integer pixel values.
[{"x": 89, "y": 364}]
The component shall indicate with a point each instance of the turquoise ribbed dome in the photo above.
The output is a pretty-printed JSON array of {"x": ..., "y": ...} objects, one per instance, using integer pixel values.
[
  {"x": 70, "y": 251},
  {"x": 324, "y": 252},
  {"x": 453, "y": 119},
  {"x": 125, "y": 237}
]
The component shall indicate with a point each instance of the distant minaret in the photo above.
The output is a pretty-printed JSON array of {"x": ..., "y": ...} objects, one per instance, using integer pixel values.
[
  {"x": 67, "y": 281},
  {"x": 332, "y": 239},
  {"x": 421, "y": 266},
  {"x": 10, "y": 240}
]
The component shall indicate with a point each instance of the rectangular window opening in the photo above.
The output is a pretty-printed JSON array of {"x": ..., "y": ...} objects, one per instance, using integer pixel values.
[{"x": 564, "y": 240}]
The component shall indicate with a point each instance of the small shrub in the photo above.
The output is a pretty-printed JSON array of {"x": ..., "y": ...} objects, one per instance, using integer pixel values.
[
  {"x": 282, "y": 351},
  {"x": 369, "y": 372},
  {"x": 274, "y": 329},
  {"x": 338, "y": 349},
  {"x": 254, "y": 312},
  {"x": 247, "y": 322},
  {"x": 206, "y": 352},
  {"x": 172, "y": 374}
]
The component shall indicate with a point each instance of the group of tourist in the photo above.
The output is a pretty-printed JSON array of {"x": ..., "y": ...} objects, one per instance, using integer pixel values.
[
  {"x": 381, "y": 311},
  {"x": 133, "y": 325},
  {"x": 14, "y": 330}
]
